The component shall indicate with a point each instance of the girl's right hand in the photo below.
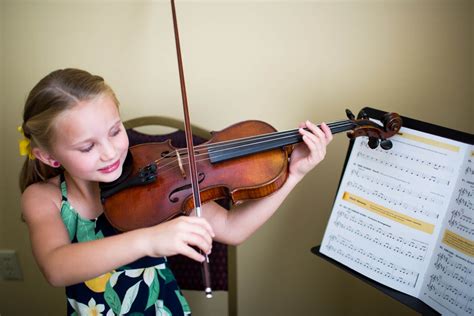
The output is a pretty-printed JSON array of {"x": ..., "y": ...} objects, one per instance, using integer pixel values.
[{"x": 178, "y": 236}]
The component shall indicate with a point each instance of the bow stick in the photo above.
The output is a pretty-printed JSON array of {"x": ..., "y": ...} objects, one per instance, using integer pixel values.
[{"x": 190, "y": 149}]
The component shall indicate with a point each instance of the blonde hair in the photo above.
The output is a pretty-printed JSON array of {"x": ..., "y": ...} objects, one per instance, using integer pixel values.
[{"x": 55, "y": 93}]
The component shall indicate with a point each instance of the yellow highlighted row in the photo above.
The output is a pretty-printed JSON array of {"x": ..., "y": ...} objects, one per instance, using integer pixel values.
[
  {"x": 388, "y": 213},
  {"x": 431, "y": 142},
  {"x": 459, "y": 243}
]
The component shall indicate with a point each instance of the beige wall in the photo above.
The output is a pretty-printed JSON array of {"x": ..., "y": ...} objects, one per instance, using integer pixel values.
[
  {"x": 2, "y": 134},
  {"x": 281, "y": 62}
]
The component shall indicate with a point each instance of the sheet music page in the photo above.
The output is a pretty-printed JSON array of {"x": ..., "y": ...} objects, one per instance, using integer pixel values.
[
  {"x": 449, "y": 281},
  {"x": 390, "y": 206}
]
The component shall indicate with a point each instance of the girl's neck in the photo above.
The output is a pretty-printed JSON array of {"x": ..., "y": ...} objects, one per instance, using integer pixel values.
[
  {"x": 84, "y": 196},
  {"x": 80, "y": 187}
]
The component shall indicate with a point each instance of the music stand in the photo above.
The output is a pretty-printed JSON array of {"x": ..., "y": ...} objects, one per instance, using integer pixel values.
[{"x": 410, "y": 301}]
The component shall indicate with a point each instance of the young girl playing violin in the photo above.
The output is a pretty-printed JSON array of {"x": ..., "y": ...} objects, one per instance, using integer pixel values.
[{"x": 74, "y": 139}]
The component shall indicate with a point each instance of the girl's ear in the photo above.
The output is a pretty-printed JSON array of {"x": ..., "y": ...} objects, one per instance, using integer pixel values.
[{"x": 45, "y": 157}]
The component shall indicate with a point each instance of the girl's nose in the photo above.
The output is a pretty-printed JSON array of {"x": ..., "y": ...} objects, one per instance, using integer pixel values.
[{"x": 108, "y": 151}]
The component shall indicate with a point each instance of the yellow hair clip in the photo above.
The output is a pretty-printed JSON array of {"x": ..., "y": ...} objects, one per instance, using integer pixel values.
[{"x": 24, "y": 145}]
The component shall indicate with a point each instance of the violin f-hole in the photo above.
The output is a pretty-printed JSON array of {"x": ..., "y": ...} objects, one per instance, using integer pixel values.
[{"x": 173, "y": 198}]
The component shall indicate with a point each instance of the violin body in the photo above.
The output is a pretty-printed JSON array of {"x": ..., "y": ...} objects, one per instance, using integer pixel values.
[{"x": 171, "y": 194}]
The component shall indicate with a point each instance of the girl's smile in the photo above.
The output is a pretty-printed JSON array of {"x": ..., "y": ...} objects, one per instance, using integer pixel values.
[{"x": 111, "y": 167}]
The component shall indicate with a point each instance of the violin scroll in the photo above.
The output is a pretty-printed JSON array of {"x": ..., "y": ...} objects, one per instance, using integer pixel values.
[{"x": 377, "y": 134}]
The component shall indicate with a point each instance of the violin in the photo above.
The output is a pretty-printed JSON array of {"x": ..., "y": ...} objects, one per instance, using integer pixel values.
[{"x": 248, "y": 160}]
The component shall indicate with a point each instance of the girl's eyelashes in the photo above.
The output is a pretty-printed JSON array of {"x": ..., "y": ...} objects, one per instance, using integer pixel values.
[
  {"x": 86, "y": 149},
  {"x": 116, "y": 132}
]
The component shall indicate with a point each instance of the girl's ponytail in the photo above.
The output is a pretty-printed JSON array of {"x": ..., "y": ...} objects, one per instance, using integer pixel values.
[{"x": 34, "y": 171}]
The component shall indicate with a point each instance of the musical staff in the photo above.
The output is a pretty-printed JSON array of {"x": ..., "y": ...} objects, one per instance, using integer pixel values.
[
  {"x": 378, "y": 264},
  {"x": 412, "y": 159},
  {"x": 380, "y": 237},
  {"x": 409, "y": 171},
  {"x": 456, "y": 270},
  {"x": 393, "y": 201},
  {"x": 451, "y": 284},
  {"x": 461, "y": 216},
  {"x": 400, "y": 188},
  {"x": 469, "y": 171},
  {"x": 461, "y": 221}
]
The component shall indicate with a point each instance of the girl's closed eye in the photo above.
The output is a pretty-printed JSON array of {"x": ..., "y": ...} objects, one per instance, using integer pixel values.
[
  {"x": 86, "y": 149},
  {"x": 116, "y": 132}
]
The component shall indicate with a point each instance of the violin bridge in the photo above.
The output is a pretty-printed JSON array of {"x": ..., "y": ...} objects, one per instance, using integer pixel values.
[{"x": 180, "y": 163}]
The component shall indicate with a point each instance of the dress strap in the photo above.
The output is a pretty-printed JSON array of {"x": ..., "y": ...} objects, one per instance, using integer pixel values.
[{"x": 62, "y": 180}]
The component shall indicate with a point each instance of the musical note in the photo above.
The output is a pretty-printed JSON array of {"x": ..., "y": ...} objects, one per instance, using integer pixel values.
[
  {"x": 393, "y": 201},
  {"x": 379, "y": 236},
  {"x": 469, "y": 171},
  {"x": 462, "y": 221},
  {"x": 369, "y": 261},
  {"x": 410, "y": 171},
  {"x": 412, "y": 159},
  {"x": 451, "y": 284},
  {"x": 461, "y": 214},
  {"x": 394, "y": 187}
]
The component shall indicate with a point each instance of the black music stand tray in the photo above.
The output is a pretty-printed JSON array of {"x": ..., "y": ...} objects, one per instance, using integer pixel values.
[{"x": 410, "y": 301}]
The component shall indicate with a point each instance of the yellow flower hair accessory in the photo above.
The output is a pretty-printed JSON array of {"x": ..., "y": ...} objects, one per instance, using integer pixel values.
[{"x": 24, "y": 145}]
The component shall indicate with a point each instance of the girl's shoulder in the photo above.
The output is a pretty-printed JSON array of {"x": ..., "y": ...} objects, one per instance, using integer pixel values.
[{"x": 42, "y": 194}]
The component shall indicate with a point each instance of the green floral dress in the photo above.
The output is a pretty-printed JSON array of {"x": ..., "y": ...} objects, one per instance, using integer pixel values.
[{"x": 144, "y": 287}]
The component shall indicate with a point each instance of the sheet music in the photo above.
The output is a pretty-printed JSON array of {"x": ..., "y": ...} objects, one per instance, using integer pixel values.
[
  {"x": 390, "y": 207},
  {"x": 449, "y": 282}
]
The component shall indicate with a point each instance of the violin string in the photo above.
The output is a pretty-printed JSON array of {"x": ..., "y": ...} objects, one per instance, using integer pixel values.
[
  {"x": 225, "y": 150},
  {"x": 259, "y": 139},
  {"x": 247, "y": 141},
  {"x": 173, "y": 166},
  {"x": 242, "y": 142}
]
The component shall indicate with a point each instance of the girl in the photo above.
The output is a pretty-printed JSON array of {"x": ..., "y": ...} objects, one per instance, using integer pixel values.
[{"x": 74, "y": 139}]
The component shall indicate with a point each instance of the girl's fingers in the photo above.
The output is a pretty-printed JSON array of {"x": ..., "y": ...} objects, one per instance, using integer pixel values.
[
  {"x": 314, "y": 138},
  {"x": 317, "y": 138},
  {"x": 193, "y": 254},
  {"x": 195, "y": 240},
  {"x": 320, "y": 132},
  {"x": 201, "y": 222},
  {"x": 194, "y": 232},
  {"x": 327, "y": 132}
]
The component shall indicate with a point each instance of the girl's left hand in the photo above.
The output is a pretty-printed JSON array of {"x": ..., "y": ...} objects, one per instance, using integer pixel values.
[{"x": 306, "y": 156}]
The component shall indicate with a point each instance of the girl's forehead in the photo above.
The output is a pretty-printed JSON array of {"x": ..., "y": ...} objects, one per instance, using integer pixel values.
[{"x": 87, "y": 117}]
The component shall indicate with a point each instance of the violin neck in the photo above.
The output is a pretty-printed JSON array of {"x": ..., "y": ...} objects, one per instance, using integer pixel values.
[{"x": 227, "y": 150}]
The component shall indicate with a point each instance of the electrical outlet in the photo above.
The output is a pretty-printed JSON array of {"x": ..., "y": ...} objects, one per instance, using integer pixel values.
[{"x": 9, "y": 265}]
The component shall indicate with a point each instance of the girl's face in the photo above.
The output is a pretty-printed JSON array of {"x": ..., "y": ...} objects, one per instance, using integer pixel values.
[{"x": 90, "y": 140}]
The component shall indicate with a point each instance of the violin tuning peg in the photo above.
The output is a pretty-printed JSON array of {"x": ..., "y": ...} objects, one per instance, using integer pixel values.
[
  {"x": 362, "y": 115},
  {"x": 386, "y": 144},
  {"x": 349, "y": 114},
  {"x": 373, "y": 142}
]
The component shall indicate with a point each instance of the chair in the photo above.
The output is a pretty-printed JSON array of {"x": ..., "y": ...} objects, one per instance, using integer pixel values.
[{"x": 223, "y": 257}]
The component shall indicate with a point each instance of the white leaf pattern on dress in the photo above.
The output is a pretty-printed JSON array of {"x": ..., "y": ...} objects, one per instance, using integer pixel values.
[{"x": 129, "y": 298}]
